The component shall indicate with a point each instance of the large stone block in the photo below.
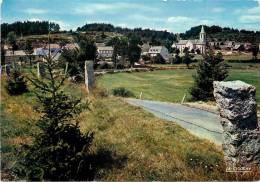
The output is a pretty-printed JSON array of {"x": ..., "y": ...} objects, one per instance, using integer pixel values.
[
  {"x": 238, "y": 112},
  {"x": 236, "y": 101},
  {"x": 89, "y": 75},
  {"x": 7, "y": 70}
]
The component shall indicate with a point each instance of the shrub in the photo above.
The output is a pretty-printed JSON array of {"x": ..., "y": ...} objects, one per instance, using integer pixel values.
[
  {"x": 101, "y": 93},
  {"x": 211, "y": 69},
  {"x": 16, "y": 85},
  {"x": 122, "y": 92},
  {"x": 158, "y": 59},
  {"x": 177, "y": 59},
  {"x": 105, "y": 65},
  {"x": 120, "y": 66}
]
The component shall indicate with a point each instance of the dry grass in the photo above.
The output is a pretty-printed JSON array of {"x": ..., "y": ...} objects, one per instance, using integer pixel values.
[
  {"x": 146, "y": 148},
  {"x": 155, "y": 149}
]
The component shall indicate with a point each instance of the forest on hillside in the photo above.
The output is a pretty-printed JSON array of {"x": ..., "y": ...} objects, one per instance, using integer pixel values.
[
  {"x": 155, "y": 37},
  {"x": 222, "y": 34},
  {"x": 147, "y": 35},
  {"x": 29, "y": 28}
]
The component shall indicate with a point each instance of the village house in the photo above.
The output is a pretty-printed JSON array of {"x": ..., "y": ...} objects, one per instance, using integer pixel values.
[
  {"x": 41, "y": 53},
  {"x": 196, "y": 45},
  {"x": 161, "y": 50},
  {"x": 105, "y": 51},
  {"x": 71, "y": 46},
  {"x": 238, "y": 47},
  {"x": 145, "y": 49},
  {"x": 14, "y": 56}
]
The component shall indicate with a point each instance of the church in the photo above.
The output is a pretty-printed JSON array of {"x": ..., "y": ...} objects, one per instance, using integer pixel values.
[{"x": 197, "y": 45}]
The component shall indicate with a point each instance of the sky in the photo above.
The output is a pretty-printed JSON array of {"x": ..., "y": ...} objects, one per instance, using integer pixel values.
[{"x": 172, "y": 15}]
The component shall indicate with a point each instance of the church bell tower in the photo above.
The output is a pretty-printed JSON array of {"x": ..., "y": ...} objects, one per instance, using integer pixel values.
[{"x": 202, "y": 34}]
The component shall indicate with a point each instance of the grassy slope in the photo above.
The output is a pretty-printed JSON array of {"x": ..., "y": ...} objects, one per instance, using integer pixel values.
[
  {"x": 68, "y": 37},
  {"x": 169, "y": 85},
  {"x": 143, "y": 147}
]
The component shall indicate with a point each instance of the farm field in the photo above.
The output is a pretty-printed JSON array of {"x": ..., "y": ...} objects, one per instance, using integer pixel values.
[
  {"x": 239, "y": 56},
  {"x": 234, "y": 57},
  {"x": 169, "y": 85}
]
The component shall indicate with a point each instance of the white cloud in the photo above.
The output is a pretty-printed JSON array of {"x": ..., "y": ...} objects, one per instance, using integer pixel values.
[
  {"x": 251, "y": 15},
  {"x": 35, "y": 11},
  {"x": 1, "y": 1},
  {"x": 110, "y": 8},
  {"x": 218, "y": 10},
  {"x": 258, "y": 1},
  {"x": 179, "y": 19},
  {"x": 63, "y": 25},
  {"x": 188, "y": 20},
  {"x": 183, "y": 23},
  {"x": 35, "y": 19},
  {"x": 250, "y": 18},
  {"x": 255, "y": 10}
]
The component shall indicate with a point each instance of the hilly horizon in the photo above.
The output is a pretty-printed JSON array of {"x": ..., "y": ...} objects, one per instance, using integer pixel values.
[{"x": 213, "y": 32}]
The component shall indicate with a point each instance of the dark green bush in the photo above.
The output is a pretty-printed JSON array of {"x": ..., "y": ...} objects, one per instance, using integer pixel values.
[
  {"x": 122, "y": 92},
  {"x": 212, "y": 68},
  {"x": 16, "y": 85}
]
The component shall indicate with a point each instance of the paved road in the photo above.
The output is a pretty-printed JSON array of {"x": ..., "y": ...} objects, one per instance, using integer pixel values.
[{"x": 199, "y": 122}]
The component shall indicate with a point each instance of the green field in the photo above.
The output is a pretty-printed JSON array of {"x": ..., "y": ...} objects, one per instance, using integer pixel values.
[
  {"x": 239, "y": 56},
  {"x": 169, "y": 85}
]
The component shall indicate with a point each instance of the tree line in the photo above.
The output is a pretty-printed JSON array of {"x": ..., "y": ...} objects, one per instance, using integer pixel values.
[
  {"x": 147, "y": 34},
  {"x": 223, "y": 34},
  {"x": 29, "y": 28}
]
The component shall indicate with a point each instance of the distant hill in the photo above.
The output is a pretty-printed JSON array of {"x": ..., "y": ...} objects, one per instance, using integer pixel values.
[
  {"x": 219, "y": 33},
  {"x": 104, "y": 31},
  {"x": 147, "y": 35},
  {"x": 157, "y": 37}
]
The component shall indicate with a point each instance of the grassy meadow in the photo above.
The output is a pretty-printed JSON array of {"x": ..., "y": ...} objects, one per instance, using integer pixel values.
[
  {"x": 132, "y": 143},
  {"x": 239, "y": 57},
  {"x": 170, "y": 85}
]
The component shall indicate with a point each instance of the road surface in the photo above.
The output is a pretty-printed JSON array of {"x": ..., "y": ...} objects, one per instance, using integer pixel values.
[{"x": 199, "y": 122}]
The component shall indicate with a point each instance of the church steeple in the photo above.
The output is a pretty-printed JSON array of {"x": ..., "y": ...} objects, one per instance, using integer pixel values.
[
  {"x": 202, "y": 34},
  {"x": 178, "y": 37}
]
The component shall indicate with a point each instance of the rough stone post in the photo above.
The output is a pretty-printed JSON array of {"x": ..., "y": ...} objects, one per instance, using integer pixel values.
[
  {"x": 7, "y": 70},
  {"x": 66, "y": 68},
  {"x": 14, "y": 65},
  {"x": 20, "y": 65},
  {"x": 238, "y": 112},
  {"x": 40, "y": 70},
  {"x": 89, "y": 75}
]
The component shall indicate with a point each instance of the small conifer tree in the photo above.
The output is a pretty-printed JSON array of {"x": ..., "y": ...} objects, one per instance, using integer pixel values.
[
  {"x": 212, "y": 68},
  {"x": 187, "y": 58},
  {"x": 60, "y": 151}
]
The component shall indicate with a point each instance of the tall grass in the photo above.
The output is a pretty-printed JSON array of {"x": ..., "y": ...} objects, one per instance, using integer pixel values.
[{"x": 140, "y": 146}]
